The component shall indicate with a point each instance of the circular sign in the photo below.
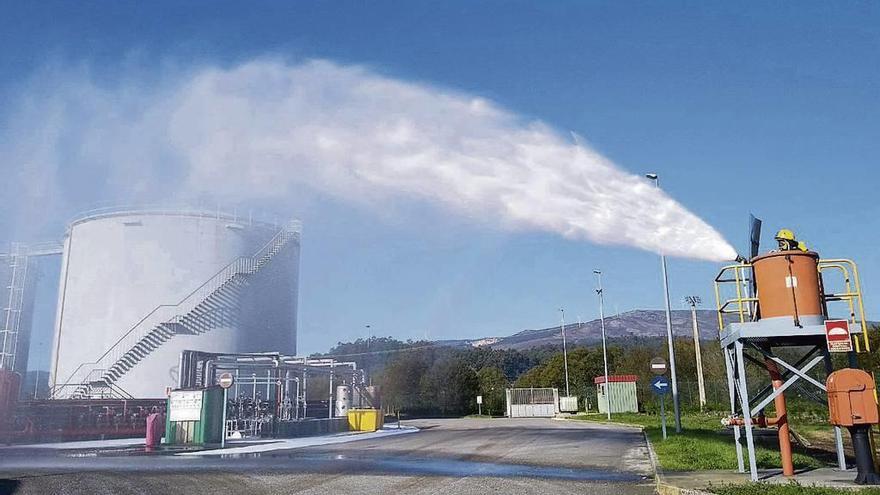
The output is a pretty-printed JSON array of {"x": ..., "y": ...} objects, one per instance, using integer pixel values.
[
  {"x": 226, "y": 380},
  {"x": 660, "y": 385},
  {"x": 658, "y": 366}
]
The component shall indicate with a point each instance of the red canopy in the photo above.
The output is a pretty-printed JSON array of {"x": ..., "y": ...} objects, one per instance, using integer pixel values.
[{"x": 616, "y": 378}]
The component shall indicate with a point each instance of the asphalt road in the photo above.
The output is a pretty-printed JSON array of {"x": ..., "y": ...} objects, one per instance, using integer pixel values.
[{"x": 458, "y": 456}]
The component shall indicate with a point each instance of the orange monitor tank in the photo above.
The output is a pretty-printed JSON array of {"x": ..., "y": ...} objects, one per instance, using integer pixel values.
[{"x": 788, "y": 286}]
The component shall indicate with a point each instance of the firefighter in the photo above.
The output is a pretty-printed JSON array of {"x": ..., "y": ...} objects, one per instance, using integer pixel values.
[{"x": 787, "y": 242}]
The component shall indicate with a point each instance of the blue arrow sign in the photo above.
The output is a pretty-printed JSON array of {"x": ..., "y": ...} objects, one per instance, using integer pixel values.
[{"x": 660, "y": 385}]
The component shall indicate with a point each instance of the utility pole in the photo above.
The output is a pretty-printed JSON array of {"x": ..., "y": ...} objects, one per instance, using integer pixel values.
[
  {"x": 694, "y": 301},
  {"x": 601, "y": 294},
  {"x": 669, "y": 339},
  {"x": 564, "y": 352}
]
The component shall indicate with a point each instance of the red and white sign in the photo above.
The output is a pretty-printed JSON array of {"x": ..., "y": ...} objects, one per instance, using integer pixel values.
[
  {"x": 837, "y": 335},
  {"x": 226, "y": 380}
]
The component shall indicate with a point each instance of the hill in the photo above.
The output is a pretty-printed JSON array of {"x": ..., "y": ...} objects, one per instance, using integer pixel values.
[{"x": 641, "y": 323}]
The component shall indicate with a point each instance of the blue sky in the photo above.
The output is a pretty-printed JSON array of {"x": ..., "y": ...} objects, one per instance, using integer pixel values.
[{"x": 768, "y": 108}]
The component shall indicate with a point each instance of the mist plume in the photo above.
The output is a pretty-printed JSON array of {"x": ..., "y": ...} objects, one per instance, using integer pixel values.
[{"x": 267, "y": 128}]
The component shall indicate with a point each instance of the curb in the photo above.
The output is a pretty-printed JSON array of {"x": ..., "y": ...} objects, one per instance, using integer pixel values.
[
  {"x": 665, "y": 489},
  {"x": 611, "y": 423}
]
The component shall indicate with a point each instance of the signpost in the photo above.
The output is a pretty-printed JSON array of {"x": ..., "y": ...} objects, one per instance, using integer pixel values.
[
  {"x": 225, "y": 381},
  {"x": 837, "y": 336},
  {"x": 660, "y": 386},
  {"x": 480, "y": 405}
]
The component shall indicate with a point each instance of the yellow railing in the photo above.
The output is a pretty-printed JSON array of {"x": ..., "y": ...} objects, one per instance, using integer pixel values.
[
  {"x": 743, "y": 305},
  {"x": 852, "y": 295}
]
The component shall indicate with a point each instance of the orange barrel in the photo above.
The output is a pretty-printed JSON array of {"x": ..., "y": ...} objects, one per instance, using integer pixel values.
[{"x": 788, "y": 285}]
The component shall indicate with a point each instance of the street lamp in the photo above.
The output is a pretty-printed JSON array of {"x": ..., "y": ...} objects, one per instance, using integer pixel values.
[
  {"x": 669, "y": 342},
  {"x": 693, "y": 301},
  {"x": 564, "y": 352},
  {"x": 601, "y": 294}
]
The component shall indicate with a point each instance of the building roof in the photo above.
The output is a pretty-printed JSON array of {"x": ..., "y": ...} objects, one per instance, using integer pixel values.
[{"x": 616, "y": 378}]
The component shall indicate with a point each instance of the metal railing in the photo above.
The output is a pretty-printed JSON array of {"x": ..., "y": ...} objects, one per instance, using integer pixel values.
[
  {"x": 169, "y": 210},
  {"x": 173, "y": 313},
  {"x": 42, "y": 248},
  {"x": 743, "y": 305},
  {"x": 852, "y": 295}
]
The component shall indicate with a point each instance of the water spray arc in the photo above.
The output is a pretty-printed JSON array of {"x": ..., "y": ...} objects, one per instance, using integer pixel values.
[{"x": 351, "y": 133}]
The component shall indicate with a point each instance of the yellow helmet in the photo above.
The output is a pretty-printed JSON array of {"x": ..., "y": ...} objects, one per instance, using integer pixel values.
[
  {"x": 785, "y": 234},
  {"x": 803, "y": 246}
]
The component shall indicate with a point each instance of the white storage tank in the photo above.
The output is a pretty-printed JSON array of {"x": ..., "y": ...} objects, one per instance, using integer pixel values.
[
  {"x": 343, "y": 401},
  {"x": 140, "y": 286}
]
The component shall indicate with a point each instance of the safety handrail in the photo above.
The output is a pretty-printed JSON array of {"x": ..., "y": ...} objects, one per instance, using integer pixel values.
[
  {"x": 166, "y": 210},
  {"x": 853, "y": 292},
  {"x": 739, "y": 278},
  {"x": 238, "y": 266}
]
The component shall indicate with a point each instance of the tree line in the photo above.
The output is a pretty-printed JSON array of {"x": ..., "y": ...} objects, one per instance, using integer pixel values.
[{"x": 422, "y": 378}]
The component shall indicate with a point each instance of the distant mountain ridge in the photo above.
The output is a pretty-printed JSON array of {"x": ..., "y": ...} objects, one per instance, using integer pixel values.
[{"x": 640, "y": 323}]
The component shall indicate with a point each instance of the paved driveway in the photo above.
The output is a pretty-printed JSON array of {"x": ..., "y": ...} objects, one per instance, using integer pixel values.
[{"x": 448, "y": 456}]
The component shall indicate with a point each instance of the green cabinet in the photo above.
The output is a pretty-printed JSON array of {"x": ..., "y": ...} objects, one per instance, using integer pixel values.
[{"x": 195, "y": 417}]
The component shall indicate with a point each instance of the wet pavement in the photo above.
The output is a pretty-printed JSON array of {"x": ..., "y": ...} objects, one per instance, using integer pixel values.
[{"x": 454, "y": 456}]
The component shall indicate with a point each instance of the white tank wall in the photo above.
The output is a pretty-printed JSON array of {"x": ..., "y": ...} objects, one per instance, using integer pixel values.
[{"x": 118, "y": 268}]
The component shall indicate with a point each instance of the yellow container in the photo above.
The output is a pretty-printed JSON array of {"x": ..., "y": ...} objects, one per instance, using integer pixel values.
[{"x": 365, "y": 419}]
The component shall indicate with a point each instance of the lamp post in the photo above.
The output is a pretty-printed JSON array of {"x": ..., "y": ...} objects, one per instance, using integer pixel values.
[
  {"x": 564, "y": 352},
  {"x": 701, "y": 387},
  {"x": 669, "y": 341},
  {"x": 601, "y": 294}
]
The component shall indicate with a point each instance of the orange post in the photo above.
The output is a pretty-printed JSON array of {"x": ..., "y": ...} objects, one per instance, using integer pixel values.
[{"x": 781, "y": 420}]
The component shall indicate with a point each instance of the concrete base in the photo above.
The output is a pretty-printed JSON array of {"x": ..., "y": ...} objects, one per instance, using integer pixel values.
[
  {"x": 698, "y": 480},
  {"x": 310, "y": 427}
]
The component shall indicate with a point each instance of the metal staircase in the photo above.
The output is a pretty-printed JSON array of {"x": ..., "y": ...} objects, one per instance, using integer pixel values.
[
  {"x": 18, "y": 264},
  {"x": 211, "y": 305}
]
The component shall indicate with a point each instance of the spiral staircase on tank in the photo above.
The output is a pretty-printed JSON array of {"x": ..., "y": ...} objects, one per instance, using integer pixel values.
[{"x": 212, "y": 305}]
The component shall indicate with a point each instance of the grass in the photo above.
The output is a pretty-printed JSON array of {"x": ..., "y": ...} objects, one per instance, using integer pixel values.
[
  {"x": 701, "y": 445},
  {"x": 789, "y": 489}
]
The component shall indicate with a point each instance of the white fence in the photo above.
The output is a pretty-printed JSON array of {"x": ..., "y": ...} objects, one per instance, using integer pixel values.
[{"x": 532, "y": 402}]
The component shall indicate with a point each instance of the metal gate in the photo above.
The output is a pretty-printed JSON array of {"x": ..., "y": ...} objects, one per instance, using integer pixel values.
[{"x": 532, "y": 402}]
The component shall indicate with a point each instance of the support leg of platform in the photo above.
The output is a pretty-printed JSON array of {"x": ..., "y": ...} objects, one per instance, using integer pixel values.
[
  {"x": 747, "y": 412},
  {"x": 731, "y": 388}
]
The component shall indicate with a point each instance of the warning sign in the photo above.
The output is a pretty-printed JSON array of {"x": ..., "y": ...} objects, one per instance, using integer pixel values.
[{"x": 837, "y": 336}]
